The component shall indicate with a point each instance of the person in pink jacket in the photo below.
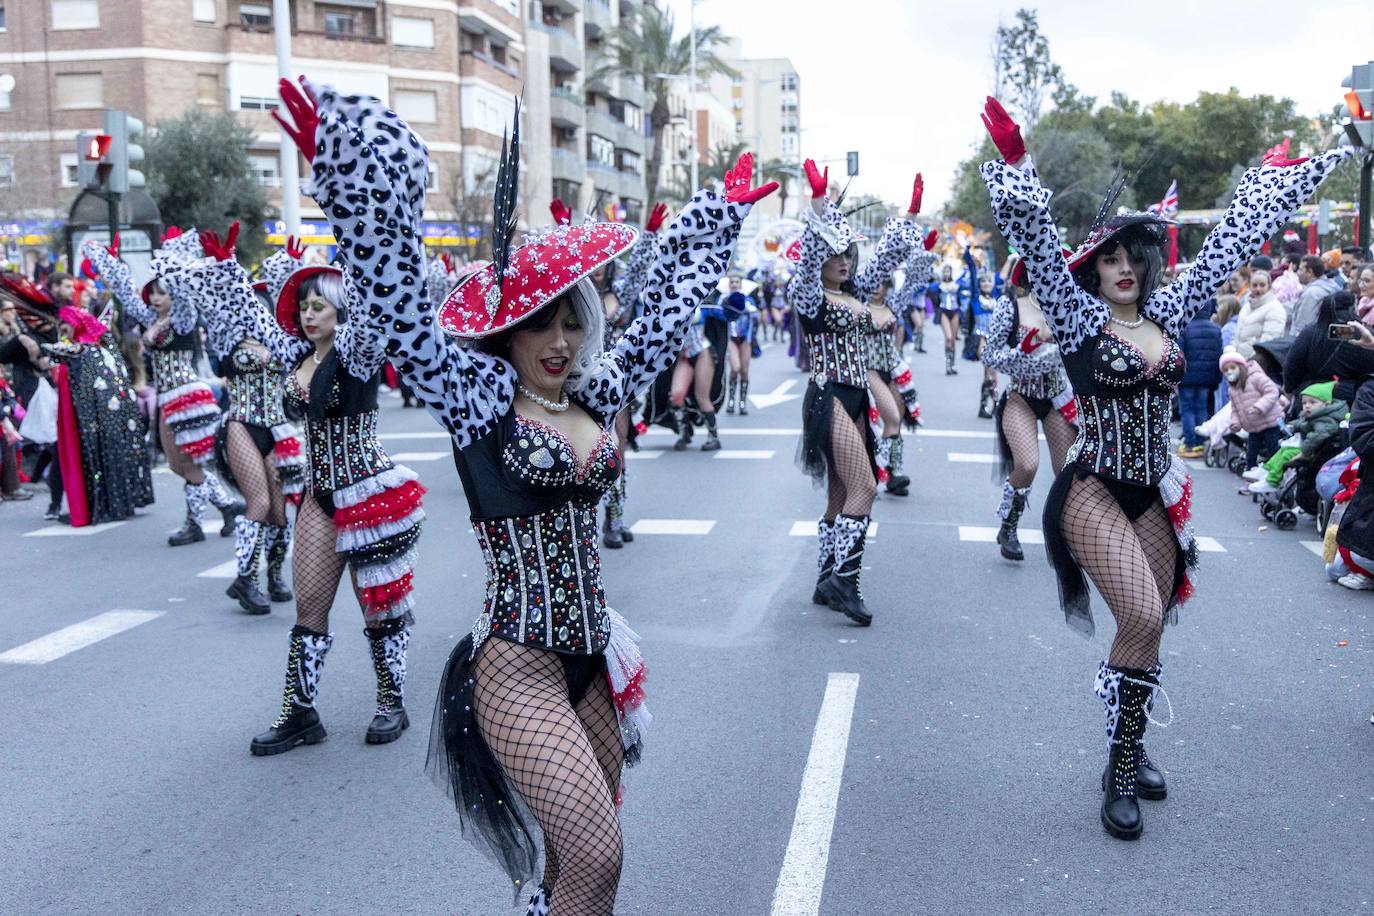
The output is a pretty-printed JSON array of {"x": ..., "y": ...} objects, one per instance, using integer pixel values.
[{"x": 1256, "y": 406}]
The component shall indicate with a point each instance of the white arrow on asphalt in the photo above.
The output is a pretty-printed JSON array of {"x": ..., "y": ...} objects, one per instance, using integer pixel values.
[{"x": 777, "y": 396}]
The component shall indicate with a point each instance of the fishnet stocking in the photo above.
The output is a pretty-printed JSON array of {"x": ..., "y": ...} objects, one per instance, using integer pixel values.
[
  {"x": 887, "y": 404},
  {"x": 550, "y": 752},
  {"x": 316, "y": 566},
  {"x": 1060, "y": 435},
  {"x": 1022, "y": 431},
  {"x": 177, "y": 460},
  {"x": 1127, "y": 562},
  {"x": 852, "y": 486},
  {"x": 255, "y": 475}
]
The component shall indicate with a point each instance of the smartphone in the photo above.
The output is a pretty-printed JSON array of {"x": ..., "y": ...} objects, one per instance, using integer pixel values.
[{"x": 1342, "y": 332}]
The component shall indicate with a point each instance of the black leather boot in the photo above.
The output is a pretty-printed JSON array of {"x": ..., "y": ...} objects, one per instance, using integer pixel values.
[
  {"x": 684, "y": 430},
  {"x": 248, "y": 537},
  {"x": 388, "y": 643},
  {"x": 825, "y": 563},
  {"x": 610, "y": 535},
  {"x": 730, "y": 389},
  {"x": 249, "y": 596},
  {"x": 949, "y": 360},
  {"x": 841, "y": 588},
  {"x": 278, "y": 539},
  {"x": 920, "y": 339},
  {"x": 189, "y": 533},
  {"x": 1006, "y": 536},
  {"x": 744, "y": 398},
  {"x": 712, "y": 443},
  {"x": 1149, "y": 781},
  {"x": 1124, "y": 692},
  {"x": 897, "y": 482},
  {"x": 298, "y": 722},
  {"x": 986, "y": 398}
]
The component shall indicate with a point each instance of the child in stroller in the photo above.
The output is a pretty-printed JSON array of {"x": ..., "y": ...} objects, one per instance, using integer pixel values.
[
  {"x": 1287, "y": 481},
  {"x": 1225, "y": 447}
]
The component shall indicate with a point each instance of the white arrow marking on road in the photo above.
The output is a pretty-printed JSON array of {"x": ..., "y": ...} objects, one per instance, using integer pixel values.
[
  {"x": 972, "y": 457},
  {"x": 802, "y": 877},
  {"x": 77, "y": 636},
  {"x": 745, "y": 454},
  {"x": 67, "y": 531},
  {"x": 808, "y": 530},
  {"x": 775, "y": 397},
  {"x": 673, "y": 526}
]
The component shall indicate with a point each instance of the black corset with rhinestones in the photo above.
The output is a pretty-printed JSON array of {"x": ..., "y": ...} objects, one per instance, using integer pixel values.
[
  {"x": 880, "y": 349},
  {"x": 173, "y": 368},
  {"x": 1123, "y": 408},
  {"x": 255, "y": 389},
  {"x": 344, "y": 450},
  {"x": 835, "y": 343}
]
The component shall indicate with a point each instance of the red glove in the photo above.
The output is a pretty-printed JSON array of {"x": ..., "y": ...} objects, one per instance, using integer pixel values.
[
  {"x": 562, "y": 216},
  {"x": 820, "y": 183},
  {"x": 739, "y": 179},
  {"x": 1277, "y": 156},
  {"x": 114, "y": 245},
  {"x": 173, "y": 232},
  {"x": 1029, "y": 343},
  {"x": 918, "y": 187},
  {"x": 1006, "y": 133},
  {"x": 305, "y": 117},
  {"x": 448, "y": 261},
  {"x": 656, "y": 217},
  {"x": 294, "y": 247},
  {"x": 931, "y": 238}
]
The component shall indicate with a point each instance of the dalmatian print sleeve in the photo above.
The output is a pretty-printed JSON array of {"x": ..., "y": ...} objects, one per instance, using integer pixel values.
[
  {"x": 628, "y": 286},
  {"x": 115, "y": 274},
  {"x": 438, "y": 280},
  {"x": 1021, "y": 207},
  {"x": 361, "y": 347},
  {"x": 693, "y": 254},
  {"x": 1003, "y": 356},
  {"x": 920, "y": 267},
  {"x": 233, "y": 312},
  {"x": 1266, "y": 198},
  {"x": 895, "y": 244},
  {"x": 804, "y": 289},
  {"x": 368, "y": 177}
]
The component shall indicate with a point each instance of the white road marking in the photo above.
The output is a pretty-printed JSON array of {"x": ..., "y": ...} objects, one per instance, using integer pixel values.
[
  {"x": 642, "y": 455},
  {"x": 954, "y": 433},
  {"x": 806, "y": 529},
  {"x": 979, "y": 535},
  {"x": 802, "y": 878},
  {"x": 420, "y": 456},
  {"x": 727, "y": 429},
  {"x": 1316, "y": 547},
  {"x": 67, "y": 531},
  {"x": 1210, "y": 545},
  {"x": 775, "y": 397},
  {"x": 226, "y": 570},
  {"x": 745, "y": 454},
  {"x": 673, "y": 526},
  {"x": 77, "y": 636},
  {"x": 972, "y": 457}
]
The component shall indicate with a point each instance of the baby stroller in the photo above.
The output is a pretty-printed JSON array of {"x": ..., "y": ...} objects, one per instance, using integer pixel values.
[
  {"x": 1297, "y": 491},
  {"x": 1225, "y": 449}
]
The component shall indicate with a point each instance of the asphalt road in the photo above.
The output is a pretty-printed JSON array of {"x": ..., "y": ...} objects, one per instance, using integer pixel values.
[{"x": 959, "y": 744}]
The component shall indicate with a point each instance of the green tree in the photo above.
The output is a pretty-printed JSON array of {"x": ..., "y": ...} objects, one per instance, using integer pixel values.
[
  {"x": 719, "y": 161},
  {"x": 784, "y": 172},
  {"x": 644, "y": 49},
  {"x": 200, "y": 175},
  {"x": 1025, "y": 74}
]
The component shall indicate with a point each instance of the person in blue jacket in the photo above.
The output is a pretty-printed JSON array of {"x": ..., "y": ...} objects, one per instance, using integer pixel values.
[{"x": 1202, "y": 351}]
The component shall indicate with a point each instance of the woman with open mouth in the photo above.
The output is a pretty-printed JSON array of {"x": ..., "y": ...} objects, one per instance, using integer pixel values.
[
  {"x": 1119, "y": 511},
  {"x": 541, "y": 704},
  {"x": 831, "y": 301}
]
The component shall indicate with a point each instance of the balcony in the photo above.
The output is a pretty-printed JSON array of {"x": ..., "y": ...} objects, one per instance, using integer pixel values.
[
  {"x": 565, "y": 108},
  {"x": 630, "y": 91},
  {"x": 601, "y": 123},
  {"x": 567, "y": 165},
  {"x": 626, "y": 137},
  {"x": 596, "y": 18},
  {"x": 604, "y": 176},
  {"x": 568, "y": 7},
  {"x": 565, "y": 48}
]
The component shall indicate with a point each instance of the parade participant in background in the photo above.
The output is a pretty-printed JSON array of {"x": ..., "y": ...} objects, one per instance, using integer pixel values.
[
  {"x": 101, "y": 435},
  {"x": 189, "y": 413},
  {"x": 739, "y": 344},
  {"x": 36, "y": 325},
  {"x": 1119, "y": 512},
  {"x": 944, "y": 292},
  {"x": 912, "y": 298},
  {"x": 1037, "y": 397},
  {"x": 830, "y": 297},
  {"x": 978, "y": 292},
  {"x": 541, "y": 704},
  {"x": 258, "y": 445}
]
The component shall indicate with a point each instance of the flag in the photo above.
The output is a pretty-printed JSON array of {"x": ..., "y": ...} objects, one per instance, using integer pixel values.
[{"x": 1168, "y": 206}]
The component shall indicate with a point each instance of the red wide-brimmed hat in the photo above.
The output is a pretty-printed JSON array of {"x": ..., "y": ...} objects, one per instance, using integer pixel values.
[
  {"x": 1152, "y": 224},
  {"x": 288, "y": 306},
  {"x": 545, "y": 267}
]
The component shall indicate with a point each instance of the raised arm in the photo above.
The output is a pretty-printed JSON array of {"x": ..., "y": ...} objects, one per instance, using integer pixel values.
[
  {"x": 826, "y": 231},
  {"x": 895, "y": 244},
  {"x": 368, "y": 174},
  {"x": 693, "y": 254},
  {"x": 630, "y": 283},
  {"x": 920, "y": 267},
  {"x": 1267, "y": 197},
  {"x": 115, "y": 274}
]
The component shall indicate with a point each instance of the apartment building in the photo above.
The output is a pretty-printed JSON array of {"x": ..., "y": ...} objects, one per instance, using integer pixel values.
[
  {"x": 452, "y": 69},
  {"x": 585, "y": 131}
]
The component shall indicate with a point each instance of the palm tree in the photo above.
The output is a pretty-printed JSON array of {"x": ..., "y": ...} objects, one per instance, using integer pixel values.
[
  {"x": 784, "y": 172},
  {"x": 721, "y": 160},
  {"x": 644, "y": 49},
  {"x": 677, "y": 188}
]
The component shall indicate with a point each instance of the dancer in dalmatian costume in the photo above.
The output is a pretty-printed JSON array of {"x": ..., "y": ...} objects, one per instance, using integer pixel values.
[
  {"x": 1119, "y": 511},
  {"x": 188, "y": 414},
  {"x": 838, "y": 447},
  {"x": 542, "y": 704}
]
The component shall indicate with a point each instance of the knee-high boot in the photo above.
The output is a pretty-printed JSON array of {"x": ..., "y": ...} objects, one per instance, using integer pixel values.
[
  {"x": 919, "y": 338},
  {"x": 712, "y": 443},
  {"x": 986, "y": 398},
  {"x": 539, "y": 903},
  {"x": 897, "y": 482},
  {"x": 949, "y": 360},
  {"x": 1012, "y": 505},
  {"x": 730, "y": 389},
  {"x": 841, "y": 589},
  {"x": 248, "y": 538},
  {"x": 190, "y": 531},
  {"x": 684, "y": 429},
  {"x": 615, "y": 507},
  {"x": 277, "y": 540},
  {"x": 1125, "y": 694},
  {"x": 298, "y": 722},
  {"x": 389, "y": 641},
  {"x": 744, "y": 397},
  {"x": 825, "y": 561},
  {"x": 219, "y": 497}
]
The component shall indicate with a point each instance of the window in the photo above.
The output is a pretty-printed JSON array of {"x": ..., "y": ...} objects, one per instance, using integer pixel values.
[
  {"x": 257, "y": 103},
  {"x": 410, "y": 32},
  {"x": 338, "y": 23},
  {"x": 600, "y": 150},
  {"x": 75, "y": 14},
  {"x": 432, "y": 179},
  {"x": 79, "y": 90},
  {"x": 789, "y": 82},
  {"x": 66, "y": 166},
  {"x": 6, "y": 170},
  {"x": 255, "y": 15},
  {"x": 2, "y": 17},
  {"x": 4, "y": 100},
  {"x": 203, "y": 10},
  {"x": 207, "y": 89},
  {"x": 418, "y": 106},
  {"x": 264, "y": 168}
]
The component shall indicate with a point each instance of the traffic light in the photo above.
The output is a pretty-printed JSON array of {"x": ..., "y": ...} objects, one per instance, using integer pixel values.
[
  {"x": 851, "y": 159},
  {"x": 124, "y": 155},
  {"x": 93, "y": 160},
  {"x": 1360, "y": 101}
]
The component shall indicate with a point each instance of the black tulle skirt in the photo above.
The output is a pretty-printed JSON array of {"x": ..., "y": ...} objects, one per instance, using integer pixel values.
[{"x": 813, "y": 452}]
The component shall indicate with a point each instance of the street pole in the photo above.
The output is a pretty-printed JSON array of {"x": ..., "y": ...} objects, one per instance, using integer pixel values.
[
  {"x": 290, "y": 168},
  {"x": 692, "y": 87},
  {"x": 1362, "y": 218}
]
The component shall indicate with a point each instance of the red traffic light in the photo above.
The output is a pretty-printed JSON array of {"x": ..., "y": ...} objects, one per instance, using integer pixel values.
[{"x": 98, "y": 147}]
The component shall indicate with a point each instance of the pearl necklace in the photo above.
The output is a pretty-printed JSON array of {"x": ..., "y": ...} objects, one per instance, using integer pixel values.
[
  {"x": 1129, "y": 324},
  {"x": 550, "y": 406}
]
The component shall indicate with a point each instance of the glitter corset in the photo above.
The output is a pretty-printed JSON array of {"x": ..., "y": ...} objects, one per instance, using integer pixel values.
[
  {"x": 880, "y": 349},
  {"x": 1044, "y": 385},
  {"x": 835, "y": 342},
  {"x": 173, "y": 368},
  {"x": 255, "y": 390},
  {"x": 344, "y": 447},
  {"x": 1123, "y": 408},
  {"x": 543, "y": 569}
]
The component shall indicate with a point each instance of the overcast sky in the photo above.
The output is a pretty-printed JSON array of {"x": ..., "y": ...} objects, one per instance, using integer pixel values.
[{"x": 903, "y": 81}]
